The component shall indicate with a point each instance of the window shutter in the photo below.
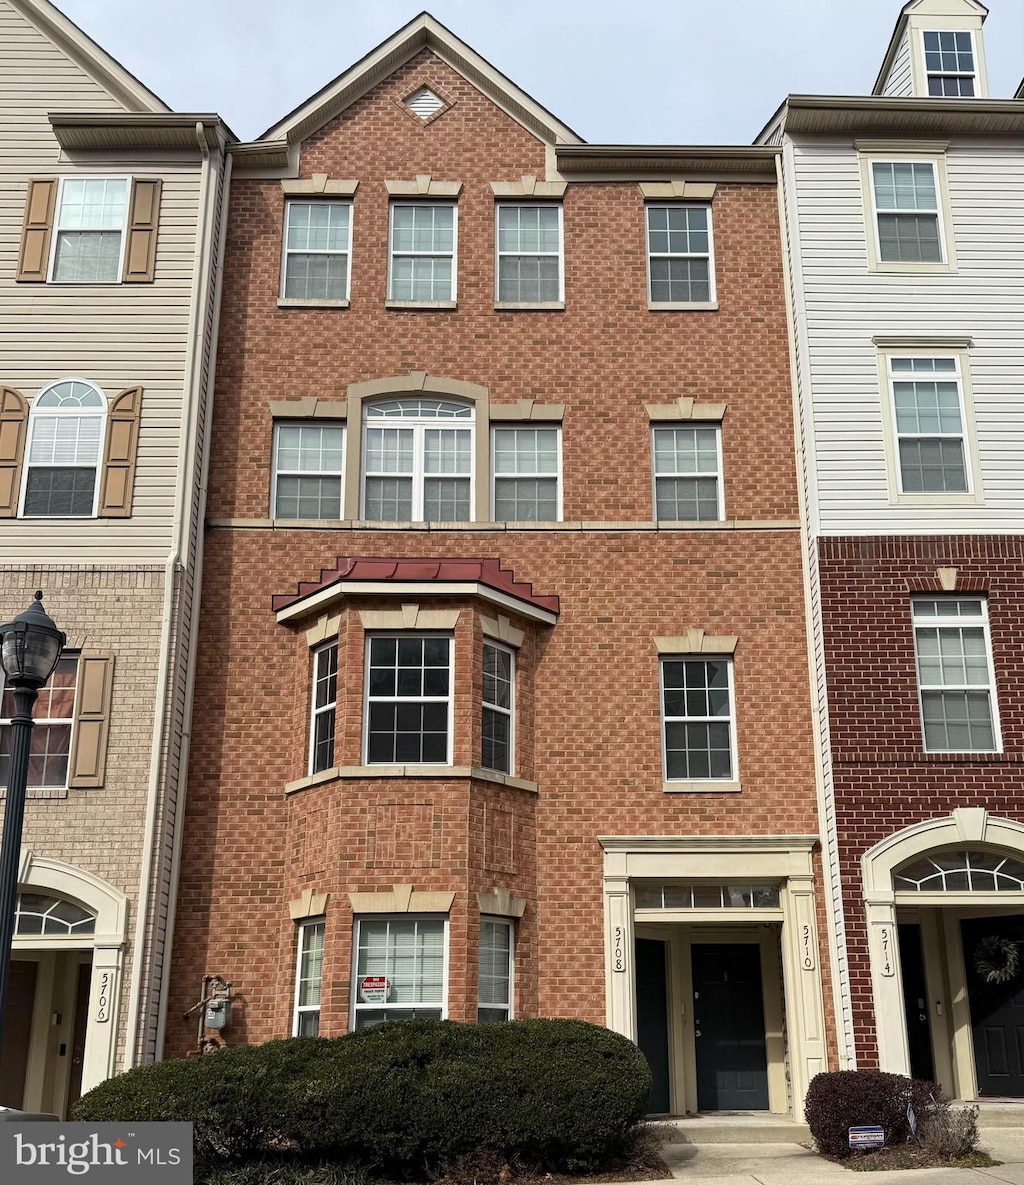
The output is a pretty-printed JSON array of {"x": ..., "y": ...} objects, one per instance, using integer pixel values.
[
  {"x": 87, "y": 766},
  {"x": 119, "y": 452},
  {"x": 35, "y": 234},
  {"x": 143, "y": 215},
  {"x": 13, "y": 418}
]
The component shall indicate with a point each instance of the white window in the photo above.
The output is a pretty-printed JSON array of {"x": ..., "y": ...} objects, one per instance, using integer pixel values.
[
  {"x": 680, "y": 259},
  {"x": 688, "y": 473},
  {"x": 494, "y": 987},
  {"x": 308, "y": 471},
  {"x": 400, "y": 969},
  {"x": 423, "y": 241},
  {"x": 929, "y": 422},
  {"x": 50, "y": 744},
  {"x": 949, "y": 63},
  {"x": 409, "y": 700},
  {"x": 697, "y": 719},
  {"x": 317, "y": 251},
  {"x": 955, "y": 679},
  {"x": 418, "y": 461},
  {"x": 324, "y": 707},
  {"x": 309, "y": 971},
  {"x": 497, "y": 708},
  {"x": 529, "y": 254},
  {"x": 526, "y": 472},
  {"x": 907, "y": 217},
  {"x": 89, "y": 230},
  {"x": 65, "y": 440}
]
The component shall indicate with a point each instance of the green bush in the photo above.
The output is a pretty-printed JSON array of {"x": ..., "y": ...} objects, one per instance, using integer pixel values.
[
  {"x": 407, "y": 1098},
  {"x": 843, "y": 1099}
]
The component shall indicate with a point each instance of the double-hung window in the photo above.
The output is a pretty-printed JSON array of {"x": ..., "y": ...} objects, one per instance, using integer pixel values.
[
  {"x": 529, "y": 254},
  {"x": 90, "y": 222},
  {"x": 949, "y": 63},
  {"x": 418, "y": 461},
  {"x": 907, "y": 215},
  {"x": 409, "y": 699},
  {"x": 494, "y": 988},
  {"x": 324, "y": 707},
  {"x": 423, "y": 246},
  {"x": 65, "y": 441},
  {"x": 688, "y": 473},
  {"x": 955, "y": 679},
  {"x": 698, "y": 719},
  {"x": 929, "y": 421},
  {"x": 309, "y": 972},
  {"x": 317, "y": 251},
  {"x": 680, "y": 258},
  {"x": 400, "y": 969},
  {"x": 53, "y": 714},
  {"x": 497, "y": 708},
  {"x": 308, "y": 468},
  {"x": 526, "y": 465}
]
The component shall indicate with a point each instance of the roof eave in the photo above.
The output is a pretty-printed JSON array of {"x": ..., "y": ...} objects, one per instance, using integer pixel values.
[
  {"x": 656, "y": 159},
  {"x": 178, "y": 131},
  {"x": 844, "y": 114}
]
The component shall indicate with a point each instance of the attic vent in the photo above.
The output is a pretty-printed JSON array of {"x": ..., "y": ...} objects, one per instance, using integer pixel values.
[{"x": 424, "y": 102}]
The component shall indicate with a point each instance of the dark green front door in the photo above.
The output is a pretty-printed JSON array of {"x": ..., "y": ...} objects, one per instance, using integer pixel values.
[{"x": 728, "y": 1017}]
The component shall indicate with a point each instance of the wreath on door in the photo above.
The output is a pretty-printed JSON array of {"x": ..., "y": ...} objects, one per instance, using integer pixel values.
[{"x": 997, "y": 959}]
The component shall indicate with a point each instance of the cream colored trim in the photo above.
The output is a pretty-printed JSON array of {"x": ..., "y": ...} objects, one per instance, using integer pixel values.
[
  {"x": 317, "y": 185},
  {"x": 526, "y": 409},
  {"x": 690, "y": 191},
  {"x": 501, "y": 903},
  {"x": 401, "y": 899},
  {"x": 945, "y": 213},
  {"x": 696, "y": 641},
  {"x": 528, "y": 186},
  {"x": 327, "y": 626},
  {"x": 947, "y": 578},
  {"x": 309, "y": 904},
  {"x": 902, "y": 147},
  {"x": 424, "y": 186},
  {"x": 308, "y": 407},
  {"x": 409, "y": 617},
  {"x": 685, "y": 408},
  {"x": 501, "y": 627},
  {"x": 709, "y": 787},
  {"x": 921, "y": 342},
  {"x": 492, "y": 775},
  {"x": 292, "y": 302},
  {"x": 342, "y": 773},
  {"x": 317, "y": 779},
  {"x": 336, "y": 593},
  {"x": 693, "y": 306},
  {"x": 488, "y": 527}
]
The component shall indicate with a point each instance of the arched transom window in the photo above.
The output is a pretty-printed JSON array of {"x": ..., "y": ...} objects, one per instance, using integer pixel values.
[
  {"x": 965, "y": 870},
  {"x": 40, "y": 914},
  {"x": 65, "y": 439},
  {"x": 418, "y": 461}
]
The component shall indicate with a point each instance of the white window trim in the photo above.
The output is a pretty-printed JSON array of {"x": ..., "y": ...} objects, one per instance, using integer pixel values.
[
  {"x": 314, "y": 711},
  {"x": 358, "y": 920},
  {"x": 34, "y": 416},
  {"x": 54, "y": 237},
  {"x": 953, "y": 622},
  {"x": 452, "y": 300},
  {"x": 510, "y": 925},
  {"x": 297, "y": 1008},
  {"x": 892, "y": 379},
  {"x": 929, "y": 74},
  {"x": 943, "y": 211},
  {"x": 494, "y": 475},
  {"x": 43, "y": 721},
  {"x": 559, "y": 303},
  {"x": 449, "y": 699},
  {"x": 712, "y": 302},
  {"x": 327, "y": 302},
  {"x": 704, "y": 783},
  {"x": 669, "y": 426},
  {"x": 510, "y": 711},
  {"x": 276, "y": 472}
]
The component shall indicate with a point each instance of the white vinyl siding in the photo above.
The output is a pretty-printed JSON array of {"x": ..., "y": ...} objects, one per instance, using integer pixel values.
[{"x": 900, "y": 82}]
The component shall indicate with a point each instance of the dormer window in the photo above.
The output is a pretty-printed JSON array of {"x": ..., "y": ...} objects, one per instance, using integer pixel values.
[{"x": 949, "y": 64}]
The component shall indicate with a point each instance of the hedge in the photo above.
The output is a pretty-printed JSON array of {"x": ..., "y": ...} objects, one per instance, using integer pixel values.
[{"x": 843, "y": 1099}]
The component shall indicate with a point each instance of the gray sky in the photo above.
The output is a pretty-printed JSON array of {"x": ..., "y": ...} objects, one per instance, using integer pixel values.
[{"x": 641, "y": 71}]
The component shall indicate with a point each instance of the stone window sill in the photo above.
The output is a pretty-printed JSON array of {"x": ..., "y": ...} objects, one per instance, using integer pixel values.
[
  {"x": 710, "y": 787},
  {"x": 351, "y": 772},
  {"x": 513, "y": 306},
  {"x": 420, "y": 304},
  {"x": 696, "y": 306},
  {"x": 291, "y": 303}
]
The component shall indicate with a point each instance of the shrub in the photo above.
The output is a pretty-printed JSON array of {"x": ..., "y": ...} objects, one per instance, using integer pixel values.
[
  {"x": 843, "y": 1099},
  {"x": 948, "y": 1132}
]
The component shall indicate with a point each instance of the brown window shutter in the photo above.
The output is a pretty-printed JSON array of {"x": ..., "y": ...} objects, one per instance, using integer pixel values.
[
  {"x": 87, "y": 766},
  {"x": 119, "y": 451},
  {"x": 35, "y": 234},
  {"x": 13, "y": 418},
  {"x": 143, "y": 216}
]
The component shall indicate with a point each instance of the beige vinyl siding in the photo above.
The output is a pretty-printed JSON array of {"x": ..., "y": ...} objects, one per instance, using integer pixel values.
[
  {"x": 846, "y": 305},
  {"x": 900, "y": 82}
]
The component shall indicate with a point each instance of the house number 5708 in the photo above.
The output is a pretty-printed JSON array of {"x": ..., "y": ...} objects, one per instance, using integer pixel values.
[{"x": 618, "y": 949}]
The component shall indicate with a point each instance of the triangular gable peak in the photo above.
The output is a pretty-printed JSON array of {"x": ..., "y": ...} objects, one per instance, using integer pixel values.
[
  {"x": 951, "y": 65},
  {"x": 423, "y": 32},
  {"x": 122, "y": 86}
]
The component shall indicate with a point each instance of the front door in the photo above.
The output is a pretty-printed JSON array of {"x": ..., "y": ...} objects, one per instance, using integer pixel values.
[
  {"x": 915, "y": 1001},
  {"x": 994, "y": 958},
  {"x": 21, "y": 994},
  {"x": 728, "y": 1018},
  {"x": 652, "y": 1018}
]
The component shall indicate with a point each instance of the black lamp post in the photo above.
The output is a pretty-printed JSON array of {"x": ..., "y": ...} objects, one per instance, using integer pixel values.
[{"x": 30, "y": 647}]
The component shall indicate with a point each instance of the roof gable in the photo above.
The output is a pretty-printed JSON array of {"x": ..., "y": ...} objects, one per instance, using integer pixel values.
[
  {"x": 421, "y": 32},
  {"x": 923, "y": 8}
]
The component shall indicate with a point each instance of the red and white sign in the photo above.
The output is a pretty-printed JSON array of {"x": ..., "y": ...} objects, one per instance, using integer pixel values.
[{"x": 374, "y": 989}]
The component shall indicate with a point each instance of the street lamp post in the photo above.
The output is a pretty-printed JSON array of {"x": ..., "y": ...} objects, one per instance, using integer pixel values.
[{"x": 30, "y": 648}]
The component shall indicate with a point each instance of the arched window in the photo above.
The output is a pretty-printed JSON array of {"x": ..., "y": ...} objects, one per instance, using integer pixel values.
[
  {"x": 966, "y": 870},
  {"x": 65, "y": 440},
  {"x": 418, "y": 460},
  {"x": 41, "y": 914}
]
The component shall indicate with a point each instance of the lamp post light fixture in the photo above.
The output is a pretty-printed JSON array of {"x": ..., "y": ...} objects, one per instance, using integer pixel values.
[{"x": 30, "y": 648}]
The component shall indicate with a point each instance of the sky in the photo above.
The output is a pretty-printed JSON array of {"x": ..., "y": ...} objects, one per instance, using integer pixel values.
[{"x": 615, "y": 71}]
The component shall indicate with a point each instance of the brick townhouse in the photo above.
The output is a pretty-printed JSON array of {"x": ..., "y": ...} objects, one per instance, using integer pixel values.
[
  {"x": 905, "y": 247},
  {"x": 502, "y": 705}
]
